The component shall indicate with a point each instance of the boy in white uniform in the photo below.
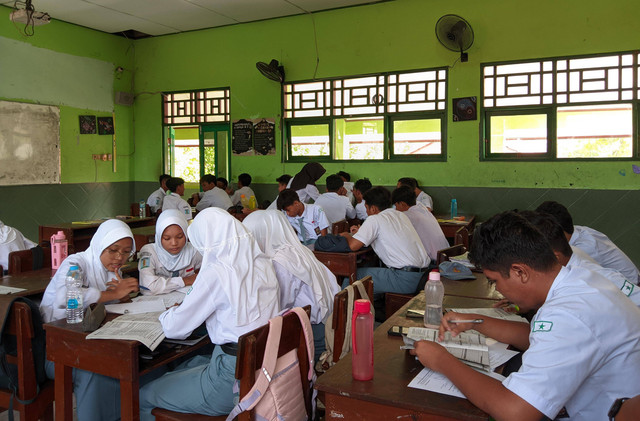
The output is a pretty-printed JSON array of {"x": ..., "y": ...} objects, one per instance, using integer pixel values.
[
  {"x": 348, "y": 185},
  {"x": 359, "y": 189},
  {"x": 155, "y": 199},
  {"x": 594, "y": 243},
  {"x": 174, "y": 199},
  {"x": 212, "y": 196},
  {"x": 421, "y": 197},
  {"x": 334, "y": 202},
  {"x": 396, "y": 243},
  {"x": 307, "y": 220},
  {"x": 11, "y": 240},
  {"x": 244, "y": 181},
  {"x": 283, "y": 182},
  {"x": 580, "y": 348},
  {"x": 423, "y": 221}
]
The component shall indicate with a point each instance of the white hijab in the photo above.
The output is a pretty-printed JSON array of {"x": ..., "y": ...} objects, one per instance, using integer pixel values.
[
  {"x": 7, "y": 234},
  {"x": 276, "y": 238},
  {"x": 231, "y": 256},
  {"x": 173, "y": 262}
]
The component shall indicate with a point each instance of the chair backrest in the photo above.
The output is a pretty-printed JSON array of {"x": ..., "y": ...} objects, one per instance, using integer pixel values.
[
  {"x": 462, "y": 237},
  {"x": 23, "y": 260},
  {"x": 444, "y": 254},
  {"x": 20, "y": 325},
  {"x": 340, "y": 226},
  {"x": 340, "y": 316}
]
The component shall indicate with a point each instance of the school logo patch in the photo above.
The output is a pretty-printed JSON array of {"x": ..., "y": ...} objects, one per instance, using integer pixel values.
[
  {"x": 627, "y": 288},
  {"x": 187, "y": 211},
  {"x": 542, "y": 326},
  {"x": 145, "y": 262},
  {"x": 190, "y": 289}
]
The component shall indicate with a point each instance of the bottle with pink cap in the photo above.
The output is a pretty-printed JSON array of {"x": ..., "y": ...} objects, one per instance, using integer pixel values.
[
  {"x": 433, "y": 294},
  {"x": 362, "y": 341}
]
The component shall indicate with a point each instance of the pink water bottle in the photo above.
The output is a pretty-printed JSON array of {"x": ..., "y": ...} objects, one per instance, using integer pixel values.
[
  {"x": 59, "y": 249},
  {"x": 362, "y": 341}
]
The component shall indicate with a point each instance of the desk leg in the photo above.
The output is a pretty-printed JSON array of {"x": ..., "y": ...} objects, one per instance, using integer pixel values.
[
  {"x": 63, "y": 392},
  {"x": 130, "y": 400}
]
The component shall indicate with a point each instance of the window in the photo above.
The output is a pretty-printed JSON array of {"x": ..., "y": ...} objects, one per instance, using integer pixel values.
[
  {"x": 561, "y": 108},
  {"x": 389, "y": 116}
]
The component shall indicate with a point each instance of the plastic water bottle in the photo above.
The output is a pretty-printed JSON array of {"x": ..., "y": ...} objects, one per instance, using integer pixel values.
[
  {"x": 143, "y": 209},
  {"x": 252, "y": 203},
  {"x": 59, "y": 249},
  {"x": 362, "y": 341},
  {"x": 75, "y": 308},
  {"x": 434, "y": 294},
  {"x": 454, "y": 208}
]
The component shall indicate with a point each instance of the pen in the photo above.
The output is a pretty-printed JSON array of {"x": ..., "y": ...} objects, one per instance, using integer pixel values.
[
  {"x": 466, "y": 321},
  {"x": 143, "y": 287}
]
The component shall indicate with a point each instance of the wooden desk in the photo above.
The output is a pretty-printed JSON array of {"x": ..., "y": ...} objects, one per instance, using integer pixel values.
[
  {"x": 450, "y": 227},
  {"x": 79, "y": 235},
  {"x": 68, "y": 348},
  {"x": 34, "y": 281},
  {"x": 342, "y": 264},
  {"x": 387, "y": 396},
  {"x": 472, "y": 288}
]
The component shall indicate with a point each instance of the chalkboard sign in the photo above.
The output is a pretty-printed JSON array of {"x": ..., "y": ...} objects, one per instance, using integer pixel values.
[
  {"x": 242, "y": 137},
  {"x": 264, "y": 140}
]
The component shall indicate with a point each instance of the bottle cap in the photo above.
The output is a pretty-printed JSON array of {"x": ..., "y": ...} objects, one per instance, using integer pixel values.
[
  {"x": 362, "y": 306},
  {"x": 434, "y": 275}
]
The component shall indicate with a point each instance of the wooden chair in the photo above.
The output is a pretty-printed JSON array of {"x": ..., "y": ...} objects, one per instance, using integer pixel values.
[
  {"x": 21, "y": 326},
  {"x": 445, "y": 254},
  {"x": 462, "y": 238},
  {"x": 340, "y": 226},
  {"x": 251, "y": 348},
  {"x": 135, "y": 209},
  {"x": 24, "y": 260}
]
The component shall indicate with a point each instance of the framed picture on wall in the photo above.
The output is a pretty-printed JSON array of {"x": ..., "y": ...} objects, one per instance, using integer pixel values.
[
  {"x": 105, "y": 125},
  {"x": 87, "y": 124}
]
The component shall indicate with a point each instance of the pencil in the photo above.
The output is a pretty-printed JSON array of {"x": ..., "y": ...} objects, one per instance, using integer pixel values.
[{"x": 466, "y": 321}]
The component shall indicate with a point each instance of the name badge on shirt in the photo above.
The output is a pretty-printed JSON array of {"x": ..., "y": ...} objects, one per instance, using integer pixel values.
[
  {"x": 542, "y": 326},
  {"x": 317, "y": 230},
  {"x": 627, "y": 288}
]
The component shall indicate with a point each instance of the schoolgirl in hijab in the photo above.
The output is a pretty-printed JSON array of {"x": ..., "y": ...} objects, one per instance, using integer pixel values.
[
  {"x": 235, "y": 292},
  {"x": 303, "y": 279},
  {"x": 304, "y": 183},
  {"x": 171, "y": 262},
  {"x": 97, "y": 396},
  {"x": 11, "y": 240}
]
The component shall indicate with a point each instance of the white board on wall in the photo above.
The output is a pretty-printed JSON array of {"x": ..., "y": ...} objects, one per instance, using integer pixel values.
[{"x": 29, "y": 144}]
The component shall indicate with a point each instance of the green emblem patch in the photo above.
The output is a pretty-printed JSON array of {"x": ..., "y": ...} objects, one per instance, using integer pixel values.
[
  {"x": 627, "y": 288},
  {"x": 541, "y": 326}
]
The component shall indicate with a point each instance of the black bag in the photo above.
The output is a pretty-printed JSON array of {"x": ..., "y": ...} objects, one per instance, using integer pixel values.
[{"x": 332, "y": 243}]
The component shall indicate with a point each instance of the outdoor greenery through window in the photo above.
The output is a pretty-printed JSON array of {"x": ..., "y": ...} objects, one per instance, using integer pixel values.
[
  {"x": 573, "y": 107},
  {"x": 378, "y": 117}
]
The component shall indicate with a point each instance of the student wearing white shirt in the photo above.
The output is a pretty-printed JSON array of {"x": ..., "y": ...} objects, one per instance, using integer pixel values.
[
  {"x": 304, "y": 183},
  {"x": 244, "y": 181},
  {"x": 594, "y": 243},
  {"x": 307, "y": 220},
  {"x": 11, "y": 240},
  {"x": 348, "y": 185},
  {"x": 580, "y": 349},
  {"x": 396, "y": 243},
  {"x": 171, "y": 262},
  {"x": 235, "y": 292},
  {"x": 423, "y": 221},
  {"x": 155, "y": 199},
  {"x": 421, "y": 197},
  {"x": 283, "y": 182},
  {"x": 174, "y": 199},
  {"x": 334, "y": 202},
  {"x": 211, "y": 196},
  {"x": 359, "y": 189}
]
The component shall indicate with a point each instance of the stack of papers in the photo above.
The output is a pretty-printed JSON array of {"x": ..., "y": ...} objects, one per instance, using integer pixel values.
[
  {"x": 145, "y": 328},
  {"x": 463, "y": 259}
]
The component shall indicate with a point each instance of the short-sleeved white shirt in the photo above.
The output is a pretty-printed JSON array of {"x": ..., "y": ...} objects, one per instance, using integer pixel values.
[
  {"x": 361, "y": 211},
  {"x": 604, "y": 251},
  {"x": 236, "y": 197},
  {"x": 156, "y": 277},
  {"x": 425, "y": 199},
  {"x": 214, "y": 198},
  {"x": 174, "y": 201},
  {"x": 155, "y": 199},
  {"x": 394, "y": 240},
  {"x": 336, "y": 207},
  {"x": 313, "y": 219},
  {"x": 584, "y": 348},
  {"x": 428, "y": 229}
]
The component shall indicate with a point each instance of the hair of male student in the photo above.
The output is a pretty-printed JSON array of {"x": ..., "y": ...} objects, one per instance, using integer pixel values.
[
  {"x": 560, "y": 214},
  {"x": 173, "y": 183},
  {"x": 508, "y": 238},
  {"x": 378, "y": 197},
  {"x": 362, "y": 185},
  {"x": 163, "y": 177},
  {"x": 344, "y": 175},
  {"x": 404, "y": 194},
  {"x": 284, "y": 179},
  {"x": 224, "y": 181},
  {"x": 550, "y": 228},
  {"x": 409, "y": 181},
  {"x": 334, "y": 182},
  {"x": 245, "y": 179},
  {"x": 286, "y": 198},
  {"x": 208, "y": 178}
]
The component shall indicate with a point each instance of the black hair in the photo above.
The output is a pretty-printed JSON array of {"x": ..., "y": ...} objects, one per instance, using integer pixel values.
[
  {"x": 404, "y": 194},
  {"x": 409, "y": 181},
  {"x": 560, "y": 214},
  {"x": 345, "y": 175},
  {"x": 208, "y": 178},
  {"x": 173, "y": 183},
  {"x": 163, "y": 177},
  {"x": 334, "y": 182},
  {"x": 284, "y": 179},
  {"x": 550, "y": 228},
  {"x": 245, "y": 179},
  {"x": 224, "y": 181},
  {"x": 362, "y": 185},
  {"x": 286, "y": 198},
  {"x": 378, "y": 197},
  {"x": 508, "y": 238}
]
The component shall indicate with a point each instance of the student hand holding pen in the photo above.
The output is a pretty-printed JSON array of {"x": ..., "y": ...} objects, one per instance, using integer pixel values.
[{"x": 119, "y": 288}]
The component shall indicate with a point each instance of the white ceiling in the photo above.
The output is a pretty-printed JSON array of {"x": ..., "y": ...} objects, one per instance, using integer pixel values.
[{"x": 160, "y": 17}]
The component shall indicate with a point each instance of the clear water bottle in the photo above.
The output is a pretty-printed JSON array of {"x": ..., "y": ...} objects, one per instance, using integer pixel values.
[
  {"x": 362, "y": 341},
  {"x": 434, "y": 294},
  {"x": 75, "y": 308},
  {"x": 454, "y": 208},
  {"x": 143, "y": 209}
]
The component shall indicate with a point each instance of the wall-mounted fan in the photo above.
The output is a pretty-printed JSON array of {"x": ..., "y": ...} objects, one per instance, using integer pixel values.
[
  {"x": 455, "y": 33},
  {"x": 273, "y": 70}
]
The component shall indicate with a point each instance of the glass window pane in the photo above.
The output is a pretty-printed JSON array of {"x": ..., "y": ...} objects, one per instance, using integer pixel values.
[
  {"x": 603, "y": 131},
  {"x": 521, "y": 134},
  {"x": 310, "y": 140},
  {"x": 361, "y": 138},
  {"x": 209, "y": 152},
  {"x": 417, "y": 137}
]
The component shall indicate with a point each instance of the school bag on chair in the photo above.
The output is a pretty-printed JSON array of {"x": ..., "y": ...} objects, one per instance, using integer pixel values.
[{"x": 277, "y": 394}]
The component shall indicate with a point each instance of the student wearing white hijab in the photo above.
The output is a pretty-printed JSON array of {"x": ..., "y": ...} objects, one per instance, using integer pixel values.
[
  {"x": 303, "y": 279},
  {"x": 11, "y": 240},
  {"x": 171, "y": 262},
  {"x": 97, "y": 396},
  {"x": 235, "y": 292}
]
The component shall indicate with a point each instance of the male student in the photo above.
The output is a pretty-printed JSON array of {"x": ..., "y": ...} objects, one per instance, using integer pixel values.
[
  {"x": 580, "y": 349},
  {"x": 425, "y": 224},
  {"x": 211, "y": 195},
  {"x": 155, "y": 199},
  {"x": 308, "y": 220},
  {"x": 394, "y": 240},
  {"x": 334, "y": 202},
  {"x": 348, "y": 185},
  {"x": 421, "y": 197},
  {"x": 283, "y": 182},
  {"x": 594, "y": 243},
  {"x": 359, "y": 189},
  {"x": 223, "y": 184},
  {"x": 174, "y": 200},
  {"x": 244, "y": 181}
]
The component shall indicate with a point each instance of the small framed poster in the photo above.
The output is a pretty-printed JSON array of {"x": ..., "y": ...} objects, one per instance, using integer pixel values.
[
  {"x": 87, "y": 124},
  {"x": 105, "y": 125}
]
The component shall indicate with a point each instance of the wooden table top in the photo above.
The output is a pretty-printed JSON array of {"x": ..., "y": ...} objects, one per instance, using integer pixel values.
[
  {"x": 34, "y": 281},
  {"x": 472, "y": 288}
]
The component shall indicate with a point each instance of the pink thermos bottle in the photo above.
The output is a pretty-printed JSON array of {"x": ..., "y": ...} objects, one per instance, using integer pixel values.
[{"x": 59, "y": 249}]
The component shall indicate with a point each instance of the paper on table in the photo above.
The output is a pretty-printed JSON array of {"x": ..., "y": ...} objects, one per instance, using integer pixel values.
[
  {"x": 170, "y": 299},
  {"x": 137, "y": 307},
  {"x": 148, "y": 333},
  {"x": 468, "y": 347},
  {"x": 10, "y": 290},
  {"x": 436, "y": 382},
  {"x": 496, "y": 313}
]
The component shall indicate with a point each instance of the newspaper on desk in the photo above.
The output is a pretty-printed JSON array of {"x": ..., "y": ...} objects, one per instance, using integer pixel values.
[
  {"x": 10, "y": 290},
  {"x": 143, "y": 327}
]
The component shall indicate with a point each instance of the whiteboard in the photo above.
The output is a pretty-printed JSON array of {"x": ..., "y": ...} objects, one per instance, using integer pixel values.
[{"x": 29, "y": 144}]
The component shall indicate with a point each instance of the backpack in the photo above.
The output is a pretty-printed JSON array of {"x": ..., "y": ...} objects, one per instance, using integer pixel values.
[
  {"x": 332, "y": 243},
  {"x": 278, "y": 396}
]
